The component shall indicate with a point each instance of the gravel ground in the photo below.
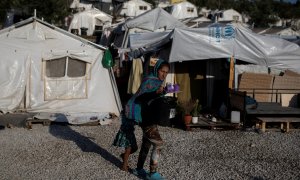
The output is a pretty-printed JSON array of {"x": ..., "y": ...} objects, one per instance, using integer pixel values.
[{"x": 85, "y": 152}]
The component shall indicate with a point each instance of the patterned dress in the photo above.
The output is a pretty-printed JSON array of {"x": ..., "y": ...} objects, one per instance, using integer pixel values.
[{"x": 125, "y": 136}]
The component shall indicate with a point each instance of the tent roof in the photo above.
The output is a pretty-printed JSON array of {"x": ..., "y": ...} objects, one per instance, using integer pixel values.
[
  {"x": 32, "y": 19},
  {"x": 234, "y": 40},
  {"x": 153, "y": 20},
  {"x": 183, "y": 10},
  {"x": 224, "y": 41},
  {"x": 97, "y": 14}
]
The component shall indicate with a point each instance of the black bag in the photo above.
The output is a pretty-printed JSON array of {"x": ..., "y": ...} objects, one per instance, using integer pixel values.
[{"x": 163, "y": 107}]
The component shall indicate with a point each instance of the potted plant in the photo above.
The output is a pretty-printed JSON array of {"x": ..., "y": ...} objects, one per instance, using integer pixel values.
[
  {"x": 195, "y": 112},
  {"x": 186, "y": 108}
]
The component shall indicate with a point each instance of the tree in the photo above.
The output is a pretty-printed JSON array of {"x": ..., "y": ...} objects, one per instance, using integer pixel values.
[
  {"x": 262, "y": 13},
  {"x": 6, "y": 5},
  {"x": 52, "y": 11}
]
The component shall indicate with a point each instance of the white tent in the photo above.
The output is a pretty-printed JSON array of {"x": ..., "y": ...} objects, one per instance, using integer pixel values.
[
  {"x": 91, "y": 19},
  {"x": 230, "y": 15},
  {"x": 234, "y": 40},
  {"x": 77, "y": 5},
  {"x": 224, "y": 41},
  {"x": 47, "y": 69},
  {"x": 134, "y": 8},
  {"x": 184, "y": 10},
  {"x": 156, "y": 20}
]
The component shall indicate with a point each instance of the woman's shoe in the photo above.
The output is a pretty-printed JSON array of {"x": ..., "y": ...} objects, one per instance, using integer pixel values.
[
  {"x": 154, "y": 176},
  {"x": 140, "y": 172}
]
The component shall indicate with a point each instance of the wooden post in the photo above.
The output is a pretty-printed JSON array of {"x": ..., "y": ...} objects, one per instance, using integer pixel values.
[
  {"x": 287, "y": 126},
  {"x": 231, "y": 73},
  {"x": 263, "y": 126}
]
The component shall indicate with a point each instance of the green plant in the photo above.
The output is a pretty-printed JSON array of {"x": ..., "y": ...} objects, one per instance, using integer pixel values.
[
  {"x": 196, "y": 109},
  {"x": 186, "y": 106}
]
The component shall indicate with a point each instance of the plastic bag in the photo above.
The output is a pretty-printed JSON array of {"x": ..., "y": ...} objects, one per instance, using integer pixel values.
[
  {"x": 223, "y": 111},
  {"x": 107, "y": 60}
]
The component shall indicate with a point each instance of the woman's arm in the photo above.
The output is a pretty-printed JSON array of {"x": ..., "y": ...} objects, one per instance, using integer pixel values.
[{"x": 146, "y": 97}]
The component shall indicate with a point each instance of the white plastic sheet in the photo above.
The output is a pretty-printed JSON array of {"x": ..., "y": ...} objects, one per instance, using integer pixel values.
[
  {"x": 153, "y": 20},
  {"x": 13, "y": 77},
  {"x": 184, "y": 10},
  {"x": 237, "y": 41},
  {"x": 22, "y": 75},
  {"x": 132, "y": 8},
  {"x": 89, "y": 19}
]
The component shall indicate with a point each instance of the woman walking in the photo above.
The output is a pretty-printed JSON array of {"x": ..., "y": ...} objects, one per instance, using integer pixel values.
[
  {"x": 137, "y": 111},
  {"x": 151, "y": 136}
]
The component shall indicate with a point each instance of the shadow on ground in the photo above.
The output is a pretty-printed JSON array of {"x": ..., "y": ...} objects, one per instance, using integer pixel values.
[
  {"x": 14, "y": 119},
  {"x": 84, "y": 143}
]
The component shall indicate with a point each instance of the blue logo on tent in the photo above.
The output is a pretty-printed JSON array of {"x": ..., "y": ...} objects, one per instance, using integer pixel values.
[
  {"x": 218, "y": 33},
  {"x": 215, "y": 32},
  {"x": 229, "y": 32}
]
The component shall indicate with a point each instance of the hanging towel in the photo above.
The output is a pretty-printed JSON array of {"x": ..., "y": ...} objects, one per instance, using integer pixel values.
[{"x": 135, "y": 77}]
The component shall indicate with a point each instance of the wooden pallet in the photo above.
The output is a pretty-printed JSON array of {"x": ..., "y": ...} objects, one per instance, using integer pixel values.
[
  {"x": 284, "y": 122},
  {"x": 205, "y": 123},
  {"x": 30, "y": 121}
]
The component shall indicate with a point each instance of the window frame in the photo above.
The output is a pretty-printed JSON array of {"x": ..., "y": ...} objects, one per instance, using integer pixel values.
[
  {"x": 87, "y": 69},
  {"x": 143, "y": 8},
  {"x": 190, "y": 9},
  {"x": 235, "y": 17}
]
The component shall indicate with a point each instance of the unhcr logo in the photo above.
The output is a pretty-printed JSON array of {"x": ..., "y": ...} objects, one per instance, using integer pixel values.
[
  {"x": 229, "y": 32},
  {"x": 217, "y": 33}
]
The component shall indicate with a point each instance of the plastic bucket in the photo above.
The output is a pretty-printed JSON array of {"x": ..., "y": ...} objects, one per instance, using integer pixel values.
[{"x": 235, "y": 117}]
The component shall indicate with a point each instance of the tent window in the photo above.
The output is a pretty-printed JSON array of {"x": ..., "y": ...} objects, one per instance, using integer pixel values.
[
  {"x": 65, "y": 78},
  {"x": 190, "y": 9},
  {"x": 235, "y": 18},
  {"x": 56, "y": 68},
  {"x": 65, "y": 66},
  {"x": 143, "y": 7},
  {"x": 76, "y": 68}
]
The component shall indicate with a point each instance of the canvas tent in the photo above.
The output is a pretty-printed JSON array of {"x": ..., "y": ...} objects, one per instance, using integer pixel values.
[
  {"x": 49, "y": 70},
  {"x": 222, "y": 42},
  {"x": 229, "y": 15},
  {"x": 92, "y": 19},
  {"x": 227, "y": 40},
  {"x": 77, "y": 5},
  {"x": 156, "y": 20},
  {"x": 183, "y": 10},
  {"x": 237, "y": 41},
  {"x": 134, "y": 8}
]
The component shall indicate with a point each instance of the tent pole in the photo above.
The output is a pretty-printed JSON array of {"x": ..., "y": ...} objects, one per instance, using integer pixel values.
[
  {"x": 231, "y": 73},
  {"x": 115, "y": 89}
]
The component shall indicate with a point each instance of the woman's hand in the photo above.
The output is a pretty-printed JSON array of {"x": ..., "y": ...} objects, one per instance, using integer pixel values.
[{"x": 160, "y": 90}]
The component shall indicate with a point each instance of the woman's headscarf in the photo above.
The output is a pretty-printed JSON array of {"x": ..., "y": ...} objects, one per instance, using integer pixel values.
[{"x": 150, "y": 83}]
